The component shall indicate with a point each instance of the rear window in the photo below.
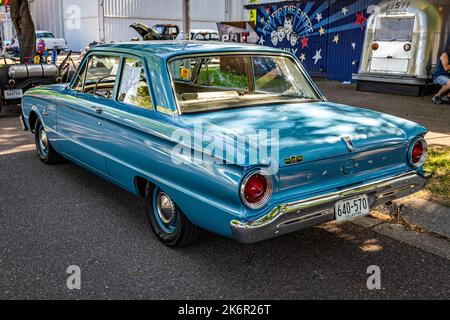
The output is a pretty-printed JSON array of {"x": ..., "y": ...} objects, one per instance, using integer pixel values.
[{"x": 394, "y": 29}]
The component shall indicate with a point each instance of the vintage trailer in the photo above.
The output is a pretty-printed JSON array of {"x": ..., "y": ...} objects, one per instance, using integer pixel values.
[{"x": 403, "y": 42}]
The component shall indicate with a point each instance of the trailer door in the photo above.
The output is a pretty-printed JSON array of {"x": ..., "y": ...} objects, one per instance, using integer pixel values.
[{"x": 392, "y": 48}]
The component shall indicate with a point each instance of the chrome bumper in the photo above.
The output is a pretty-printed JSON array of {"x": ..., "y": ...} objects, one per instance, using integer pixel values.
[{"x": 313, "y": 211}]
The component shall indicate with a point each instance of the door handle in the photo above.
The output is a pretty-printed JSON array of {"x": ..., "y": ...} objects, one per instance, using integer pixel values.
[{"x": 97, "y": 110}]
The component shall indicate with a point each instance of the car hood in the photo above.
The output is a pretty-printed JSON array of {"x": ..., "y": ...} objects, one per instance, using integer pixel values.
[
  {"x": 146, "y": 32},
  {"x": 314, "y": 131}
]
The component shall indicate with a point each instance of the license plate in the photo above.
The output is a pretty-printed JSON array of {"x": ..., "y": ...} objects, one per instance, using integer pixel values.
[
  {"x": 352, "y": 208},
  {"x": 13, "y": 94}
]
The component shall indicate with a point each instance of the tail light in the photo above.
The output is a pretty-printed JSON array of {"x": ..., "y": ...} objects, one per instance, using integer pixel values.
[
  {"x": 256, "y": 191},
  {"x": 418, "y": 152},
  {"x": 375, "y": 46}
]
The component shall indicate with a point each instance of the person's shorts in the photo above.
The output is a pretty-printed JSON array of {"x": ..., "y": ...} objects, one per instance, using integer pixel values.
[{"x": 442, "y": 80}]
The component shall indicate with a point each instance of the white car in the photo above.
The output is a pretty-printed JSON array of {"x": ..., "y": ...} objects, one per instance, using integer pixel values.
[
  {"x": 51, "y": 42},
  {"x": 201, "y": 35}
]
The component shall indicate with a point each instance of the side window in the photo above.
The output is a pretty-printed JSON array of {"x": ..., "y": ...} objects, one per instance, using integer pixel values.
[
  {"x": 134, "y": 88},
  {"x": 78, "y": 85},
  {"x": 101, "y": 75}
]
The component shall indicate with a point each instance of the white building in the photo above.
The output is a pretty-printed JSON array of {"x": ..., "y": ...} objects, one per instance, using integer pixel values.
[{"x": 83, "y": 21}]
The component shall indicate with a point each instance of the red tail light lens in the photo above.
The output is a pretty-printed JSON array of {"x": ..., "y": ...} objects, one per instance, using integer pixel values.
[
  {"x": 375, "y": 46},
  {"x": 419, "y": 152},
  {"x": 256, "y": 191}
]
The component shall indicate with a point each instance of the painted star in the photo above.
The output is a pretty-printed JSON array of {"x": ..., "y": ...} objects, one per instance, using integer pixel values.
[
  {"x": 304, "y": 42},
  {"x": 302, "y": 57},
  {"x": 336, "y": 39},
  {"x": 267, "y": 10},
  {"x": 261, "y": 41},
  {"x": 344, "y": 10},
  {"x": 360, "y": 19},
  {"x": 319, "y": 17},
  {"x": 262, "y": 20},
  {"x": 317, "y": 57},
  {"x": 321, "y": 31}
]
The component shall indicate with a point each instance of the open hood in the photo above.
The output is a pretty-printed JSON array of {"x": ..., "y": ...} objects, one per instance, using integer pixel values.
[{"x": 146, "y": 32}]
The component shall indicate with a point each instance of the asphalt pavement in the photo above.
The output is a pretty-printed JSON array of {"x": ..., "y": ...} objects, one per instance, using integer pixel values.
[{"x": 53, "y": 217}]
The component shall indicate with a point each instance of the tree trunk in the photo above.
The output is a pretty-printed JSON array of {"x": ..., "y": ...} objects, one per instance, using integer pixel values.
[{"x": 26, "y": 33}]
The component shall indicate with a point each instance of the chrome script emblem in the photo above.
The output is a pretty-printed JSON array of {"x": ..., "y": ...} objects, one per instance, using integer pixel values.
[{"x": 348, "y": 141}]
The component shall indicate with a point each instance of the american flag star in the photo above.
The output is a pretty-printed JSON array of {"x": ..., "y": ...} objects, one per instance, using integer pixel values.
[
  {"x": 360, "y": 19},
  {"x": 304, "y": 42}
]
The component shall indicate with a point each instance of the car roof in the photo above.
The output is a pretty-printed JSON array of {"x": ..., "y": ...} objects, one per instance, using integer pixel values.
[{"x": 168, "y": 49}]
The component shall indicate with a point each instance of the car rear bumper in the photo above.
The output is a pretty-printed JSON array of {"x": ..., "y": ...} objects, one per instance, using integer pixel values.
[{"x": 290, "y": 217}]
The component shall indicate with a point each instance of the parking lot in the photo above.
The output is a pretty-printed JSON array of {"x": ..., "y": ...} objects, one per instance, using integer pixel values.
[{"x": 52, "y": 217}]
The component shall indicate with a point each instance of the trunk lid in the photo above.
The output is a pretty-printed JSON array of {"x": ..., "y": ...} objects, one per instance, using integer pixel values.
[{"x": 314, "y": 131}]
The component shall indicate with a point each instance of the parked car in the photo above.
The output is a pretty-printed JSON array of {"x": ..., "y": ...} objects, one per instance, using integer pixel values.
[
  {"x": 201, "y": 35},
  {"x": 147, "y": 33},
  {"x": 122, "y": 115},
  {"x": 168, "y": 31},
  {"x": 51, "y": 42}
]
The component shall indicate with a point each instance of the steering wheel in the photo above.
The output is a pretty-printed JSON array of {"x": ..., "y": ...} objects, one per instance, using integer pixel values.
[{"x": 99, "y": 81}]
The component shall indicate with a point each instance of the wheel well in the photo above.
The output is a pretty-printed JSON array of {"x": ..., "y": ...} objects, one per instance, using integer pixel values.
[
  {"x": 32, "y": 120},
  {"x": 140, "y": 184}
]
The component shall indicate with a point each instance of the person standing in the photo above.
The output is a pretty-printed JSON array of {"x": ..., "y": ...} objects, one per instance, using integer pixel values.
[{"x": 442, "y": 78}]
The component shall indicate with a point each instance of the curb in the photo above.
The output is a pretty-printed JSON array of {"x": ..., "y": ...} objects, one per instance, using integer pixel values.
[
  {"x": 421, "y": 213},
  {"x": 423, "y": 241}
]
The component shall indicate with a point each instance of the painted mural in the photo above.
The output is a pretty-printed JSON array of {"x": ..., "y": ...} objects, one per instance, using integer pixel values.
[{"x": 326, "y": 35}]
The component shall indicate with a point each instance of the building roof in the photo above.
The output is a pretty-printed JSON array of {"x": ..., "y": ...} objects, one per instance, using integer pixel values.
[{"x": 167, "y": 49}]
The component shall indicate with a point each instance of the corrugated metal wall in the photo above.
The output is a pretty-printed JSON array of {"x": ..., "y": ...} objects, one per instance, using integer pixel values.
[
  {"x": 204, "y": 14},
  {"x": 79, "y": 21},
  {"x": 48, "y": 16},
  {"x": 327, "y": 35}
]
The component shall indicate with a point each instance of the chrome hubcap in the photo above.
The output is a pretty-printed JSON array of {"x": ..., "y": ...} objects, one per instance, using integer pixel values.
[
  {"x": 43, "y": 141},
  {"x": 166, "y": 208}
]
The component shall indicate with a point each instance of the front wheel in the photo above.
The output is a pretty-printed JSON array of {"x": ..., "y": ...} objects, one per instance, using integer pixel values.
[
  {"x": 167, "y": 221},
  {"x": 44, "y": 149}
]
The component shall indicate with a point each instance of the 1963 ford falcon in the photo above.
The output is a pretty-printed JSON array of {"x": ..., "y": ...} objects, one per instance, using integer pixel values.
[{"x": 229, "y": 138}]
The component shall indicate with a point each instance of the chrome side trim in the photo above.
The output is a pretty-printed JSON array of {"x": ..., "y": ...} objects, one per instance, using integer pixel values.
[{"x": 294, "y": 216}]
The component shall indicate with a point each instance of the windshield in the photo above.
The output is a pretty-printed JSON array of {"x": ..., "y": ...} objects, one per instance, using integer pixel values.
[
  {"x": 45, "y": 35},
  {"x": 231, "y": 81},
  {"x": 159, "y": 29},
  {"x": 394, "y": 29}
]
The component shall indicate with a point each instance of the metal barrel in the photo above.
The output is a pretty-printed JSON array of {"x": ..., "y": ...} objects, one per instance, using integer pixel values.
[{"x": 23, "y": 71}]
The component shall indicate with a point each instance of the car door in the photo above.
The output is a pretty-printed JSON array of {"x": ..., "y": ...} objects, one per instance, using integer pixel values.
[
  {"x": 130, "y": 124},
  {"x": 80, "y": 107}
]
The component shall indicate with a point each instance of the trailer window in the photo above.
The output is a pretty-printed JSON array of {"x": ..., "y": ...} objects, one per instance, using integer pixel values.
[{"x": 394, "y": 29}]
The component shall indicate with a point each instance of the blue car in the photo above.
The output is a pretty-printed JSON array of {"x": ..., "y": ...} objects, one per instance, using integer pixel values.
[{"x": 234, "y": 139}]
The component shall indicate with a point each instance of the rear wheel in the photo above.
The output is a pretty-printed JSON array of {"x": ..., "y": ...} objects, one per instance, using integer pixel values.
[
  {"x": 167, "y": 220},
  {"x": 44, "y": 149}
]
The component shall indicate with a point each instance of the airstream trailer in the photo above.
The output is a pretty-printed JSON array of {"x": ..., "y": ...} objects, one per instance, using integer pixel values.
[{"x": 403, "y": 41}]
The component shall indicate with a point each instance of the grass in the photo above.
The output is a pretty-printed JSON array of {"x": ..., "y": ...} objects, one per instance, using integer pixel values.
[
  {"x": 438, "y": 163},
  {"x": 221, "y": 78}
]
